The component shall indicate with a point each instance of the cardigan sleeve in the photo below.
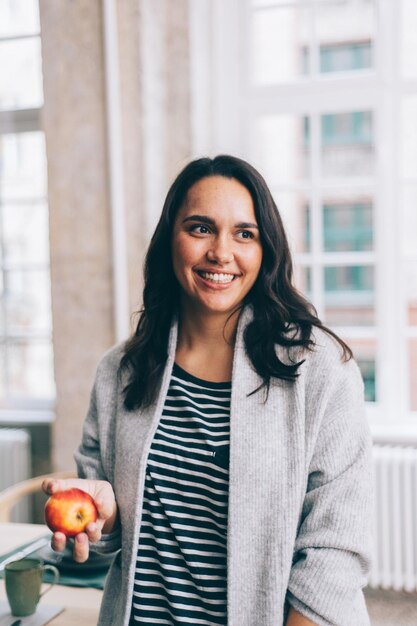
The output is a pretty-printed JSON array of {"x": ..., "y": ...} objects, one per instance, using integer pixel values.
[
  {"x": 89, "y": 465},
  {"x": 332, "y": 548}
]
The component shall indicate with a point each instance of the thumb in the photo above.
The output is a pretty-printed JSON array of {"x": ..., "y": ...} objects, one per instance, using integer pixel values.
[{"x": 105, "y": 508}]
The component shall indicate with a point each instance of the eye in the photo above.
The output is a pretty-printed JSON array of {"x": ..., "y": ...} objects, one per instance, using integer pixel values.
[
  {"x": 246, "y": 234},
  {"x": 200, "y": 229}
]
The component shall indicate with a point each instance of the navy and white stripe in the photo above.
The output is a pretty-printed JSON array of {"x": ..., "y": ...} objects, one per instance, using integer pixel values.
[{"x": 181, "y": 569}]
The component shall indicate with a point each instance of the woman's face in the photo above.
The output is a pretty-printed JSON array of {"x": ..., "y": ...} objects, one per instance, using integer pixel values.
[{"x": 216, "y": 246}]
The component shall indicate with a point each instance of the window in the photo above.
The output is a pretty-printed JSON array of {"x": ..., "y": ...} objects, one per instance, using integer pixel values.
[
  {"x": 343, "y": 129},
  {"x": 368, "y": 375},
  {"x": 26, "y": 368},
  {"x": 348, "y": 226},
  {"x": 344, "y": 57},
  {"x": 341, "y": 57},
  {"x": 321, "y": 96},
  {"x": 326, "y": 150},
  {"x": 298, "y": 38}
]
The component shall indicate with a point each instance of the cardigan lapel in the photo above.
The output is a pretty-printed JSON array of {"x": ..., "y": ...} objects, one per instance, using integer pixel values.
[
  {"x": 266, "y": 467},
  {"x": 136, "y": 430}
]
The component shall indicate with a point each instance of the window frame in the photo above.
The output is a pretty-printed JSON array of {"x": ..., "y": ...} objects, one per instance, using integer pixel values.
[
  {"x": 26, "y": 409},
  {"x": 220, "y": 67}
]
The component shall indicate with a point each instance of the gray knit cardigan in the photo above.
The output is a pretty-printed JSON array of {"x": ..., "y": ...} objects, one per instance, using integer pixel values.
[{"x": 300, "y": 499}]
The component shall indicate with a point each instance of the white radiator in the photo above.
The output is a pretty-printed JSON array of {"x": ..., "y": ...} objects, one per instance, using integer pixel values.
[
  {"x": 395, "y": 519},
  {"x": 15, "y": 465}
]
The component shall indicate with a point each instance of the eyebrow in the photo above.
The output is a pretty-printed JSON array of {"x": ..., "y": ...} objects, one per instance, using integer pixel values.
[{"x": 209, "y": 220}]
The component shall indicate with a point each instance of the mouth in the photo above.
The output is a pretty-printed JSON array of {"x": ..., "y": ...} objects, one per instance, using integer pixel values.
[{"x": 217, "y": 278}]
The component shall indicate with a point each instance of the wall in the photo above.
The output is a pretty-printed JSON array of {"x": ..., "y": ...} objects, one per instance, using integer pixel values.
[{"x": 153, "y": 49}]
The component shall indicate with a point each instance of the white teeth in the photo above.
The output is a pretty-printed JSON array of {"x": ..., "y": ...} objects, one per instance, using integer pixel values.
[{"x": 217, "y": 278}]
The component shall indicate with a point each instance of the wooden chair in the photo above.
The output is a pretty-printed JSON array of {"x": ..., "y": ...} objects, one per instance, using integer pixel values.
[{"x": 13, "y": 494}]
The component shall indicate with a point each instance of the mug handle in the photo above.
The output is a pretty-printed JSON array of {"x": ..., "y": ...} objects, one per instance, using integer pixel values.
[{"x": 55, "y": 572}]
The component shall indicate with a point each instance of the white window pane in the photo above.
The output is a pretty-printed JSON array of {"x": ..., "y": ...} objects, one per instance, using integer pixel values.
[
  {"x": 408, "y": 38},
  {"x": 333, "y": 3},
  {"x": 2, "y": 369},
  {"x": 302, "y": 280},
  {"x": 347, "y": 223},
  {"x": 25, "y": 233},
  {"x": 21, "y": 74},
  {"x": 28, "y": 301},
  {"x": 22, "y": 166},
  {"x": 281, "y": 148},
  {"x": 345, "y": 34},
  {"x": 30, "y": 369},
  {"x": 409, "y": 137},
  {"x": 411, "y": 292},
  {"x": 409, "y": 220},
  {"x": 295, "y": 213},
  {"x": 364, "y": 352},
  {"x": 349, "y": 295},
  {"x": 2, "y": 306},
  {"x": 272, "y": 3},
  {"x": 412, "y": 360},
  {"x": 280, "y": 43},
  {"x": 347, "y": 144},
  {"x": 19, "y": 17}
]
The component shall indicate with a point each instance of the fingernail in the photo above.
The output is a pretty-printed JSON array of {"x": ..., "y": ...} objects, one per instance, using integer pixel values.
[{"x": 80, "y": 539}]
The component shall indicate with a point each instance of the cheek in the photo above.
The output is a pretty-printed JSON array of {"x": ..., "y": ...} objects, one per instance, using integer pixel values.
[
  {"x": 184, "y": 255},
  {"x": 253, "y": 262}
]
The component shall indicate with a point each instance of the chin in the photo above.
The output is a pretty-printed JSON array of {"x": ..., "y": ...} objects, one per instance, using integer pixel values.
[{"x": 216, "y": 309}]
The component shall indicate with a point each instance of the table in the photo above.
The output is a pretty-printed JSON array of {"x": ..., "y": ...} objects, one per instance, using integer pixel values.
[{"x": 82, "y": 605}]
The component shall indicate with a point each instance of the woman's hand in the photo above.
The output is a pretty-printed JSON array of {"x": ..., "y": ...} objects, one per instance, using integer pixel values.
[
  {"x": 102, "y": 493},
  {"x": 296, "y": 619}
]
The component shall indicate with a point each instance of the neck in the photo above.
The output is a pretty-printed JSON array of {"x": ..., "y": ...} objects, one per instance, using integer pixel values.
[{"x": 200, "y": 330}]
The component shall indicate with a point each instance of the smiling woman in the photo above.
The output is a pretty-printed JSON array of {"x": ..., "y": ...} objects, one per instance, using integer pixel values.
[
  {"x": 226, "y": 446},
  {"x": 217, "y": 255}
]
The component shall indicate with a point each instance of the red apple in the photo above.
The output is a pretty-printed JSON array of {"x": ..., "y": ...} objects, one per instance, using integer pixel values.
[{"x": 70, "y": 511}]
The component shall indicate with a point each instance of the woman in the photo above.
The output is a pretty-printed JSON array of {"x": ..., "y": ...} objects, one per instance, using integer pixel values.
[{"x": 226, "y": 445}]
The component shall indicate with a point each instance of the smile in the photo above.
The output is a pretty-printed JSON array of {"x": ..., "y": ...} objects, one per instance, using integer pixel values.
[{"x": 218, "y": 278}]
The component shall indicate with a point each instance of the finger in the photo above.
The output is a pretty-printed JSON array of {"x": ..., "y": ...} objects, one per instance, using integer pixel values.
[
  {"x": 47, "y": 485},
  {"x": 93, "y": 531},
  {"x": 58, "y": 542},
  {"x": 104, "y": 509},
  {"x": 52, "y": 485},
  {"x": 81, "y": 548}
]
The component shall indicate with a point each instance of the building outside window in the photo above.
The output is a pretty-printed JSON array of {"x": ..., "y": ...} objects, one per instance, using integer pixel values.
[
  {"x": 342, "y": 57},
  {"x": 26, "y": 360}
]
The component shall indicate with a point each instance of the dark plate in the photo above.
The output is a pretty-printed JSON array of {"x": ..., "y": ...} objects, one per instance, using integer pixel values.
[{"x": 65, "y": 562}]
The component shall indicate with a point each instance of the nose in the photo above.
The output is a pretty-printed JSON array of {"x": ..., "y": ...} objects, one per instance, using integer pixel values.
[{"x": 220, "y": 252}]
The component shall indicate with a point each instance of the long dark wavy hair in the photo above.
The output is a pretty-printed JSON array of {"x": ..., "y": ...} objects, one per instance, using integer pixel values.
[{"x": 281, "y": 315}]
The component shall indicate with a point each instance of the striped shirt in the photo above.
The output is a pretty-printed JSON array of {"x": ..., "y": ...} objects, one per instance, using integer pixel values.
[{"x": 181, "y": 568}]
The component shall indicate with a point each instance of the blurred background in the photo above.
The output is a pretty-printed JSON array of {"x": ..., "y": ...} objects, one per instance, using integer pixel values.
[{"x": 103, "y": 102}]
